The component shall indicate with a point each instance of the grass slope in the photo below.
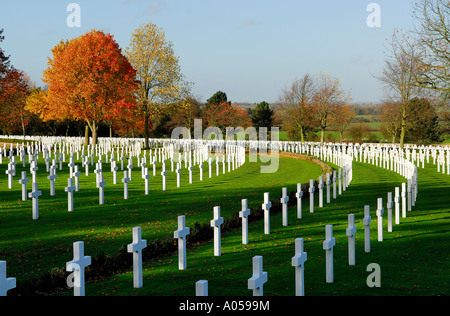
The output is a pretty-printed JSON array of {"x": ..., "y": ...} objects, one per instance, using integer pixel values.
[
  {"x": 33, "y": 248},
  {"x": 414, "y": 258}
]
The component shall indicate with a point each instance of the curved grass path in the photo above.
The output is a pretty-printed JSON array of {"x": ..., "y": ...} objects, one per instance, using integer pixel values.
[{"x": 414, "y": 258}]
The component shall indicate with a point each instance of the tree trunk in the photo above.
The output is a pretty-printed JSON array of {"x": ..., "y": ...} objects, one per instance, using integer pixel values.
[
  {"x": 94, "y": 133},
  {"x": 86, "y": 136},
  {"x": 23, "y": 128},
  {"x": 302, "y": 137},
  {"x": 322, "y": 136},
  {"x": 94, "y": 129},
  {"x": 146, "y": 133},
  {"x": 402, "y": 134}
]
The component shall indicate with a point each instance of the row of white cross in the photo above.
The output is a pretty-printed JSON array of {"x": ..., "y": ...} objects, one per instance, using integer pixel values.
[
  {"x": 235, "y": 161},
  {"x": 80, "y": 262},
  {"x": 259, "y": 277}
]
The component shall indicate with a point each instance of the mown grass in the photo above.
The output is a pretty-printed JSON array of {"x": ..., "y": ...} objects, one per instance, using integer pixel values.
[
  {"x": 32, "y": 248},
  {"x": 414, "y": 258}
]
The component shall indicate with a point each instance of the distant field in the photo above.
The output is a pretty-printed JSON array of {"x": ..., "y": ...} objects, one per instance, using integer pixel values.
[{"x": 334, "y": 136}]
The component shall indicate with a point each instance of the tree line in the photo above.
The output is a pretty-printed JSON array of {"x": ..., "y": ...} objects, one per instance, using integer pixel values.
[
  {"x": 92, "y": 86},
  {"x": 416, "y": 74}
]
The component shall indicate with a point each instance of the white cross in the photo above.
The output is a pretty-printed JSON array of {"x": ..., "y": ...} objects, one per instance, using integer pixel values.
[
  {"x": 98, "y": 170},
  {"x": 114, "y": 169},
  {"x": 60, "y": 158},
  {"x": 178, "y": 171},
  {"x": 23, "y": 156},
  {"x": 409, "y": 195},
  {"x": 311, "y": 195},
  {"x": 210, "y": 167},
  {"x": 86, "y": 166},
  {"x": 340, "y": 181},
  {"x": 122, "y": 158},
  {"x": 69, "y": 189},
  {"x": 130, "y": 167},
  {"x": 266, "y": 207},
  {"x": 298, "y": 262},
  {"x": 181, "y": 234},
  {"x": 101, "y": 190},
  {"x": 52, "y": 177},
  {"x": 143, "y": 165},
  {"x": 223, "y": 164},
  {"x": 6, "y": 284},
  {"x": 216, "y": 223},
  {"x": 334, "y": 184},
  {"x": 380, "y": 212},
  {"x": 397, "y": 205},
  {"x": 24, "y": 182},
  {"x": 76, "y": 174},
  {"x": 350, "y": 232},
  {"x": 125, "y": 181},
  {"x": 34, "y": 195},
  {"x": 404, "y": 205},
  {"x": 299, "y": 196},
  {"x": 244, "y": 215},
  {"x": 11, "y": 173},
  {"x": 201, "y": 288},
  {"x": 190, "y": 171},
  {"x": 328, "y": 246},
  {"x": 320, "y": 191},
  {"x": 259, "y": 278},
  {"x": 47, "y": 162},
  {"x": 217, "y": 165},
  {"x": 164, "y": 174},
  {"x": 201, "y": 171},
  {"x": 71, "y": 164},
  {"x": 389, "y": 206},
  {"x": 328, "y": 183},
  {"x": 284, "y": 201},
  {"x": 13, "y": 163},
  {"x": 366, "y": 221},
  {"x": 77, "y": 265},
  {"x": 136, "y": 248},
  {"x": 146, "y": 178},
  {"x": 154, "y": 166}
]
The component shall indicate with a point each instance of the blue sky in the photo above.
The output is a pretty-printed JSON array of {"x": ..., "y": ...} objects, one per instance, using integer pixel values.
[{"x": 250, "y": 49}]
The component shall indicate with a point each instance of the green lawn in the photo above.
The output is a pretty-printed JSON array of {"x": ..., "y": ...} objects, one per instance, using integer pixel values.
[
  {"x": 414, "y": 258},
  {"x": 32, "y": 248}
]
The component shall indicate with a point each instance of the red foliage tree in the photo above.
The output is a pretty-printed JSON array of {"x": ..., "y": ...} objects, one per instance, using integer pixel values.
[
  {"x": 89, "y": 79},
  {"x": 15, "y": 88}
]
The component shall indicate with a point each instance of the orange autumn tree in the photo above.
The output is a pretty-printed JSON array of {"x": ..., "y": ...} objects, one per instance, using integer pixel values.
[{"x": 89, "y": 79}]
